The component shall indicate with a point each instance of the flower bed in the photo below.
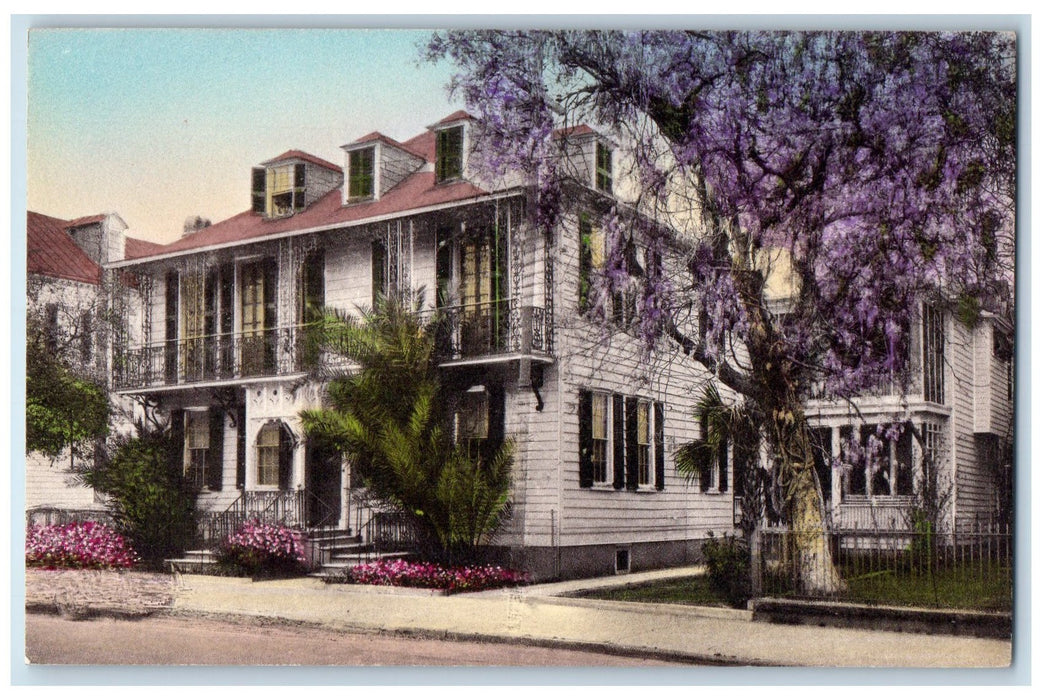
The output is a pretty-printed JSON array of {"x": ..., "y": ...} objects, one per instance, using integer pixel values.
[
  {"x": 77, "y": 545},
  {"x": 259, "y": 549},
  {"x": 398, "y": 572}
]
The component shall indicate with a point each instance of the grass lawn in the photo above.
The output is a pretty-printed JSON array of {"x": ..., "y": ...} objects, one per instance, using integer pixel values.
[
  {"x": 956, "y": 587},
  {"x": 690, "y": 590}
]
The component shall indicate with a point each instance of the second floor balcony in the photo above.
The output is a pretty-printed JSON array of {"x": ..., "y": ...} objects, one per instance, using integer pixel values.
[{"x": 474, "y": 333}]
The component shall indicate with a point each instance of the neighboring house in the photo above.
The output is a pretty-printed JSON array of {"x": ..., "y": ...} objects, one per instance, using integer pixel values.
[
  {"x": 961, "y": 405},
  {"x": 222, "y": 346},
  {"x": 66, "y": 302}
]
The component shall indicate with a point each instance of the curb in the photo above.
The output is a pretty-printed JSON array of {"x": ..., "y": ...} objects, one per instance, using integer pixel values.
[{"x": 965, "y": 623}]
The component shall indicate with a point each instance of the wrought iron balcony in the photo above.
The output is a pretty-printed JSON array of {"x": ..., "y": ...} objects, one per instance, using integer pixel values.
[
  {"x": 225, "y": 356},
  {"x": 491, "y": 328}
]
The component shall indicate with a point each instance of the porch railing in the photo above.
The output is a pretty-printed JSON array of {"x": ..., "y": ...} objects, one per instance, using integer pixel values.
[{"x": 223, "y": 356}]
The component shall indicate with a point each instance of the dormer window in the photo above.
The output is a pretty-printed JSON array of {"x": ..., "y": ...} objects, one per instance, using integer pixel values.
[
  {"x": 361, "y": 174},
  {"x": 448, "y": 154},
  {"x": 278, "y": 190},
  {"x": 602, "y": 172}
]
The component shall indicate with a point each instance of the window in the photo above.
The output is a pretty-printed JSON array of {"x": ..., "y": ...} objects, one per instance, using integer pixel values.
[
  {"x": 603, "y": 170},
  {"x": 361, "y": 174},
  {"x": 933, "y": 354},
  {"x": 712, "y": 474},
  {"x": 268, "y": 449},
  {"x": 620, "y": 441},
  {"x": 883, "y": 467},
  {"x": 448, "y": 155},
  {"x": 600, "y": 438},
  {"x": 258, "y": 316},
  {"x": 472, "y": 419},
  {"x": 278, "y": 190},
  {"x": 170, "y": 350},
  {"x": 197, "y": 443},
  {"x": 592, "y": 256},
  {"x": 644, "y": 473}
]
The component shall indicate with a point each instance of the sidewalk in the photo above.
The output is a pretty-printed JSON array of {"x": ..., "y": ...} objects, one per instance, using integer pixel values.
[{"x": 537, "y": 614}]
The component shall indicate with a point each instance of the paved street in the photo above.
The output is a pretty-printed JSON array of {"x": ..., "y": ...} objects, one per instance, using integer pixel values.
[{"x": 199, "y": 641}]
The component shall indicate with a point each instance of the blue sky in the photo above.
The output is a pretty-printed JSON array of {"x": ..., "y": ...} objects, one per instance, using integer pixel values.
[{"x": 160, "y": 124}]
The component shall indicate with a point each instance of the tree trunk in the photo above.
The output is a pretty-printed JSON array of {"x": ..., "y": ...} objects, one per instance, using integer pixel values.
[{"x": 816, "y": 574}]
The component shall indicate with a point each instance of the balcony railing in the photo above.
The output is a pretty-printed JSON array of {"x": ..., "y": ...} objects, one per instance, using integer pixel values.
[
  {"x": 491, "y": 328},
  {"x": 225, "y": 356},
  {"x": 461, "y": 332}
]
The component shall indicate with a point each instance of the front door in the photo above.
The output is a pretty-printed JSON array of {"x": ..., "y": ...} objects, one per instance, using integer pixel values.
[{"x": 324, "y": 484}]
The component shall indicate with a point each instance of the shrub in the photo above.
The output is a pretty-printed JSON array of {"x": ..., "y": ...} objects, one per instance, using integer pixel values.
[
  {"x": 150, "y": 503},
  {"x": 727, "y": 560},
  {"x": 77, "y": 545},
  {"x": 398, "y": 572},
  {"x": 260, "y": 549}
]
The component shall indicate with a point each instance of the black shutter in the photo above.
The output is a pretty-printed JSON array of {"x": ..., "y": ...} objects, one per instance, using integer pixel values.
[
  {"x": 631, "y": 443},
  {"x": 379, "y": 271},
  {"x": 618, "y": 460},
  {"x": 215, "y": 452},
  {"x": 660, "y": 447},
  {"x": 705, "y": 470},
  {"x": 240, "y": 448},
  {"x": 177, "y": 439},
  {"x": 585, "y": 439},
  {"x": 285, "y": 457},
  {"x": 258, "y": 190}
]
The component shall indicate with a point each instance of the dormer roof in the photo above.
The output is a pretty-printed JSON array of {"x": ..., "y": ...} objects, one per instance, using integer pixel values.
[
  {"x": 294, "y": 154},
  {"x": 459, "y": 115},
  {"x": 374, "y": 136}
]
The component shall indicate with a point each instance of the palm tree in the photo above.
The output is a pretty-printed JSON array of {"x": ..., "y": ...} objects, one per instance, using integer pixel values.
[{"x": 392, "y": 418}]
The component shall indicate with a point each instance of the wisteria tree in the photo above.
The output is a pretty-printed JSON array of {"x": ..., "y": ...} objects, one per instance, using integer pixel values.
[{"x": 879, "y": 167}]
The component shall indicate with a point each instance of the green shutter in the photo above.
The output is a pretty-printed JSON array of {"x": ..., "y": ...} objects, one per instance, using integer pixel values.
[{"x": 585, "y": 260}]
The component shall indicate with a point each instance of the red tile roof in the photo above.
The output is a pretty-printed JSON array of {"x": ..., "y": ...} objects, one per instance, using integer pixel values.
[
  {"x": 416, "y": 191},
  {"x": 458, "y": 115},
  {"x": 377, "y": 136},
  {"x": 137, "y": 248},
  {"x": 294, "y": 154},
  {"x": 577, "y": 130},
  {"x": 51, "y": 252},
  {"x": 84, "y": 220}
]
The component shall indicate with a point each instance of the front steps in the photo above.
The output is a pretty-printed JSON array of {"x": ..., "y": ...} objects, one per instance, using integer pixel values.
[{"x": 334, "y": 551}]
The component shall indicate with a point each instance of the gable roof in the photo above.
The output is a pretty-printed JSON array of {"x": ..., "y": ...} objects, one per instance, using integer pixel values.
[
  {"x": 294, "y": 154},
  {"x": 377, "y": 136},
  {"x": 84, "y": 220},
  {"x": 51, "y": 252}
]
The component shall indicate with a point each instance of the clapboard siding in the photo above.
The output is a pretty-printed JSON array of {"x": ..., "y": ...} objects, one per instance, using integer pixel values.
[
  {"x": 53, "y": 483},
  {"x": 972, "y": 485}
]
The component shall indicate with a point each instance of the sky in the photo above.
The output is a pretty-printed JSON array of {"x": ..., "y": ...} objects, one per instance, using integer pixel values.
[{"x": 157, "y": 125}]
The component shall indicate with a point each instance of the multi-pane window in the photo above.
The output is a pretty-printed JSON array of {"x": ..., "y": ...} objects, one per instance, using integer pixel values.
[
  {"x": 361, "y": 173},
  {"x": 712, "y": 473},
  {"x": 933, "y": 354},
  {"x": 268, "y": 451},
  {"x": 279, "y": 190},
  {"x": 644, "y": 444},
  {"x": 448, "y": 155},
  {"x": 603, "y": 169},
  {"x": 592, "y": 256},
  {"x": 600, "y": 410},
  {"x": 472, "y": 420},
  {"x": 883, "y": 466},
  {"x": 197, "y": 444},
  {"x": 620, "y": 441}
]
